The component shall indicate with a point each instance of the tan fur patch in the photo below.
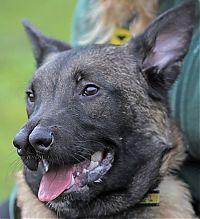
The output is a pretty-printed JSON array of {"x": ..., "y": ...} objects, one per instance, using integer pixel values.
[
  {"x": 118, "y": 11},
  {"x": 30, "y": 206},
  {"x": 175, "y": 157},
  {"x": 175, "y": 199}
]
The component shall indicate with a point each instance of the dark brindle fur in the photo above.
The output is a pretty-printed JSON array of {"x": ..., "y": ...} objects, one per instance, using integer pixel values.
[{"x": 124, "y": 110}]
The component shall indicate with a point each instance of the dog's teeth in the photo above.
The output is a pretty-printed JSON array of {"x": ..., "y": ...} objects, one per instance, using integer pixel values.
[
  {"x": 78, "y": 173},
  {"x": 98, "y": 181},
  {"x": 72, "y": 181},
  {"x": 85, "y": 170},
  {"x": 97, "y": 157},
  {"x": 45, "y": 165},
  {"x": 93, "y": 165}
]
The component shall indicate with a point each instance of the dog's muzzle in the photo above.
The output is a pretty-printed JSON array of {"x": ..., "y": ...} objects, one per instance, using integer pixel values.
[{"x": 36, "y": 142}]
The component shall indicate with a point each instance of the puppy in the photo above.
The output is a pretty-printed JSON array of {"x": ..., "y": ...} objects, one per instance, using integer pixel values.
[{"x": 100, "y": 141}]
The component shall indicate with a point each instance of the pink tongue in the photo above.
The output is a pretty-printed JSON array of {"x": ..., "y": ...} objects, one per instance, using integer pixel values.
[{"x": 53, "y": 183}]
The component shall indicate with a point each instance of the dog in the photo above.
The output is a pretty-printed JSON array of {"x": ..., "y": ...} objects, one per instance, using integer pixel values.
[{"x": 100, "y": 141}]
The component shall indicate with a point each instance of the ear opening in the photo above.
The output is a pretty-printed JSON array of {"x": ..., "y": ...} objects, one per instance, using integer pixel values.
[
  {"x": 43, "y": 46},
  {"x": 159, "y": 84},
  {"x": 169, "y": 36}
]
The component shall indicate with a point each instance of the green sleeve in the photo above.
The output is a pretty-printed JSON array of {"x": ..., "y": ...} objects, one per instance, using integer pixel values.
[
  {"x": 79, "y": 25},
  {"x": 185, "y": 98},
  {"x": 82, "y": 23},
  {"x": 185, "y": 104},
  {"x": 185, "y": 94}
]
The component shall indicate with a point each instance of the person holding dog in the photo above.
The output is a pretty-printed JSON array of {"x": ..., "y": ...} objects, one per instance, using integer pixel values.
[{"x": 115, "y": 21}]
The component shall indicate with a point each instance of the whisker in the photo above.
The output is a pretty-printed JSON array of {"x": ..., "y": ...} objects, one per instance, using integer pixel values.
[
  {"x": 82, "y": 156},
  {"x": 75, "y": 158}
]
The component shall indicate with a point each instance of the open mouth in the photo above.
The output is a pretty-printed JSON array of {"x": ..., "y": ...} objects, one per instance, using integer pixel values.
[{"x": 71, "y": 178}]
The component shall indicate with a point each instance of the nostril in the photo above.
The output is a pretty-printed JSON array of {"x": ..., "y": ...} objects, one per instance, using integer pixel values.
[
  {"x": 16, "y": 145},
  {"x": 15, "y": 142},
  {"x": 44, "y": 140},
  {"x": 41, "y": 139},
  {"x": 20, "y": 140}
]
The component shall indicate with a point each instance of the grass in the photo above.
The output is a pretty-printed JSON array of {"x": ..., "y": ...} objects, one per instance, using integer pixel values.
[{"x": 16, "y": 66}]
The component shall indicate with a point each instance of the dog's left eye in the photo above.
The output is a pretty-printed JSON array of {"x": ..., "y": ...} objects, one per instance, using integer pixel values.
[
  {"x": 90, "y": 90},
  {"x": 30, "y": 96}
]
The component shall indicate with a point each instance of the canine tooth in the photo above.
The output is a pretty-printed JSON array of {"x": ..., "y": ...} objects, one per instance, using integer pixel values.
[
  {"x": 45, "y": 165},
  {"x": 93, "y": 164},
  {"x": 85, "y": 170},
  {"x": 72, "y": 181},
  {"x": 98, "y": 180},
  {"x": 97, "y": 157},
  {"x": 78, "y": 173}
]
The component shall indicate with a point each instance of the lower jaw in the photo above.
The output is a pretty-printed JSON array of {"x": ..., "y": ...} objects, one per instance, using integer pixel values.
[{"x": 81, "y": 194}]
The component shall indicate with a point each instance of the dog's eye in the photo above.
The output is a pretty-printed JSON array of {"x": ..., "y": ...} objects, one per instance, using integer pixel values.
[
  {"x": 30, "y": 96},
  {"x": 90, "y": 90}
]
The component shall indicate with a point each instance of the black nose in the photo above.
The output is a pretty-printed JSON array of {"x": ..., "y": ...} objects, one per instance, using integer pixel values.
[
  {"x": 20, "y": 141},
  {"x": 41, "y": 138}
]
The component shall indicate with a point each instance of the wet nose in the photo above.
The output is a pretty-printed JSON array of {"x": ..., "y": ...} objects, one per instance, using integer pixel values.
[
  {"x": 20, "y": 141},
  {"x": 41, "y": 138}
]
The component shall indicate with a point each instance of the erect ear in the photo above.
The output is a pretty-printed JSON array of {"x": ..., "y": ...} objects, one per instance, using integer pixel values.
[
  {"x": 43, "y": 46},
  {"x": 163, "y": 45}
]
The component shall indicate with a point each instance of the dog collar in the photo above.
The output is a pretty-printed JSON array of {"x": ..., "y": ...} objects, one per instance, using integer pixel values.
[{"x": 151, "y": 199}]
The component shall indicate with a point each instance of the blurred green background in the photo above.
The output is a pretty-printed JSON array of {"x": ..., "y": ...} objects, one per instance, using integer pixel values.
[{"x": 52, "y": 17}]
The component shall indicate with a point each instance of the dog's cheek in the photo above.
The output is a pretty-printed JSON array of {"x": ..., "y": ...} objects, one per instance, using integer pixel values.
[{"x": 121, "y": 173}]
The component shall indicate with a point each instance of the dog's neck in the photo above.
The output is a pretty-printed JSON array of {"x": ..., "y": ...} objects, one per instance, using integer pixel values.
[{"x": 171, "y": 189}]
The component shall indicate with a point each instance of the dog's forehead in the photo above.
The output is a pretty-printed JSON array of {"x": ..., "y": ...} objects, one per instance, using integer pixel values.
[{"x": 96, "y": 59}]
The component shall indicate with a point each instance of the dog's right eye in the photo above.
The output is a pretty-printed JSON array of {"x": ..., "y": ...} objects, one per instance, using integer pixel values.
[
  {"x": 30, "y": 96},
  {"x": 90, "y": 90}
]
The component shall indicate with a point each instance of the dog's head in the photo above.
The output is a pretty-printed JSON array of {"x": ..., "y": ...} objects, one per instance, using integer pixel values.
[{"x": 99, "y": 125}]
